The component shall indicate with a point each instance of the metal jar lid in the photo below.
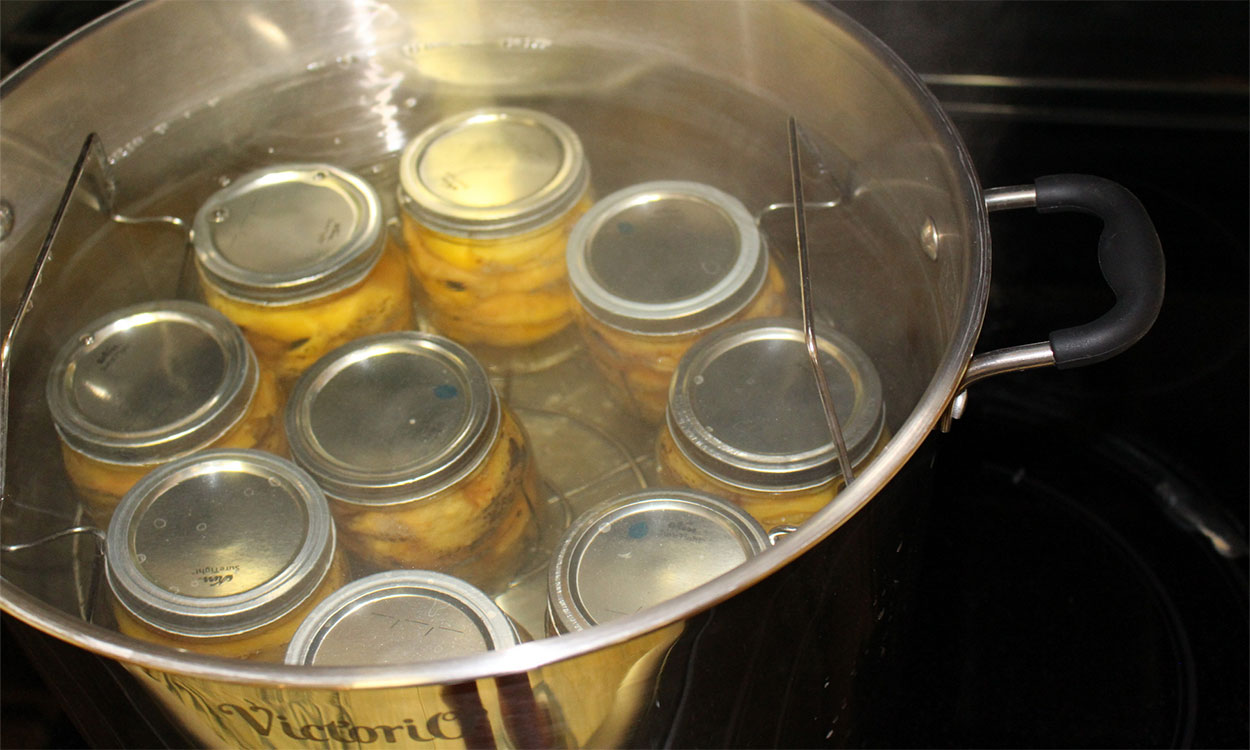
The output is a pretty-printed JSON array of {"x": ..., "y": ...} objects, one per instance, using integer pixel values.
[
  {"x": 219, "y": 543},
  {"x": 644, "y": 548},
  {"x": 744, "y": 406},
  {"x": 391, "y": 418},
  {"x": 288, "y": 234},
  {"x": 666, "y": 257},
  {"x": 400, "y": 617},
  {"x": 495, "y": 172},
  {"x": 151, "y": 382}
]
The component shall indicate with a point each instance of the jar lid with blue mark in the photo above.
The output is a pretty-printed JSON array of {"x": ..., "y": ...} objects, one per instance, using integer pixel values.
[
  {"x": 644, "y": 548},
  {"x": 219, "y": 543},
  {"x": 392, "y": 418}
]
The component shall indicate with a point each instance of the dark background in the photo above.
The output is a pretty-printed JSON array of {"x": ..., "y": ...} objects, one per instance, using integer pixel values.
[{"x": 1071, "y": 597}]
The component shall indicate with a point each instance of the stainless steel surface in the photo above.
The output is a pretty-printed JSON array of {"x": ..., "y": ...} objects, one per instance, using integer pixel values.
[
  {"x": 400, "y": 617},
  {"x": 89, "y": 173},
  {"x": 745, "y": 408},
  {"x": 666, "y": 257},
  {"x": 151, "y": 382},
  {"x": 805, "y": 301},
  {"x": 99, "y": 534},
  {"x": 655, "y": 90},
  {"x": 1012, "y": 359},
  {"x": 1003, "y": 198},
  {"x": 493, "y": 172},
  {"x": 777, "y": 533},
  {"x": 788, "y": 208},
  {"x": 393, "y": 417},
  {"x": 998, "y": 362},
  {"x": 173, "y": 221},
  {"x": 288, "y": 233},
  {"x": 219, "y": 543},
  {"x": 6, "y": 219},
  {"x": 636, "y": 551},
  {"x": 930, "y": 238}
]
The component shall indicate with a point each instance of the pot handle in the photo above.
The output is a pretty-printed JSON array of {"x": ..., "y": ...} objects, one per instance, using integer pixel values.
[
  {"x": 1131, "y": 260},
  {"x": 1129, "y": 255}
]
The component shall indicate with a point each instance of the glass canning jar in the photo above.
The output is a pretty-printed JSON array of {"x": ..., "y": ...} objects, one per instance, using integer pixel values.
[
  {"x": 618, "y": 558},
  {"x": 656, "y": 266},
  {"x": 489, "y": 198},
  {"x": 222, "y": 553},
  {"x": 401, "y": 617},
  {"x": 641, "y": 549},
  {"x": 422, "y": 463},
  {"x": 745, "y": 421},
  {"x": 150, "y": 383},
  {"x": 298, "y": 257},
  {"x": 405, "y": 617}
]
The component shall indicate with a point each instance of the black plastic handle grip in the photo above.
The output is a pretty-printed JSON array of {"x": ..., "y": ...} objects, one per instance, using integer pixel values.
[{"x": 1131, "y": 260}]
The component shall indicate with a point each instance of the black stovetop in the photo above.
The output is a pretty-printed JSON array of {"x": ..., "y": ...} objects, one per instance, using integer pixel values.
[
  {"x": 1071, "y": 597},
  {"x": 1074, "y": 594}
]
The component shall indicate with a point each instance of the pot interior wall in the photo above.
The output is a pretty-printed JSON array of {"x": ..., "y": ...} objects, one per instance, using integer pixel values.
[{"x": 187, "y": 96}]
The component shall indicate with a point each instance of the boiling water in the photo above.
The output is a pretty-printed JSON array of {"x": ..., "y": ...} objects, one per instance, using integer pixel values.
[{"x": 639, "y": 120}]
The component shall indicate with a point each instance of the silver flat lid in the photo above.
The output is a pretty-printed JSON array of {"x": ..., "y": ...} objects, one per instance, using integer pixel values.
[
  {"x": 219, "y": 543},
  {"x": 392, "y": 417},
  {"x": 400, "y": 617},
  {"x": 744, "y": 406},
  {"x": 644, "y": 548},
  {"x": 289, "y": 233},
  {"x": 494, "y": 172},
  {"x": 151, "y": 382},
  {"x": 666, "y": 257}
]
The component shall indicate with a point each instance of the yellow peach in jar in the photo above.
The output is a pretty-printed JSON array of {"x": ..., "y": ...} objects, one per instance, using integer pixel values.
[
  {"x": 151, "y": 383},
  {"x": 745, "y": 421},
  {"x": 222, "y": 553},
  {"x": 425, "y": 467},
  {"x": 297, "y": 255},
  {"x": 489, "y": 198},
  {"x": 655, "y": 267},
  {"x": 289, "y": 338}
]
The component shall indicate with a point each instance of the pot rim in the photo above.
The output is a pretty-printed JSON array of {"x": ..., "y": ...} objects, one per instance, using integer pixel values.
[{"x": 535, "y": 654}]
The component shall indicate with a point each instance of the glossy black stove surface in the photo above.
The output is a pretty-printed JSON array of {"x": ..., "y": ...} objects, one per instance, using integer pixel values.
[
  {"x": 1070, "y": 596},
  {"x": 1066, "y": 602}
]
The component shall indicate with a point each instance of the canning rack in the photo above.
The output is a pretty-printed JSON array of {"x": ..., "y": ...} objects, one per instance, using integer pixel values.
[{"x": 91, "y": 185}]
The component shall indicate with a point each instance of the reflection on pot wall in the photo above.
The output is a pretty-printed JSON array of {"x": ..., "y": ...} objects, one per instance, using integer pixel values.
[{"x": 589, "y": 701}]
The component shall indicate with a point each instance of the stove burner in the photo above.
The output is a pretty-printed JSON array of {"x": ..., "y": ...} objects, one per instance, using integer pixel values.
[{"x": 1063, "y": 605}]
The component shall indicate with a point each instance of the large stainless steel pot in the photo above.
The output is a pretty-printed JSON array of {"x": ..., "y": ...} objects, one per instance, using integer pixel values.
[{"x": 189, "y": 93}]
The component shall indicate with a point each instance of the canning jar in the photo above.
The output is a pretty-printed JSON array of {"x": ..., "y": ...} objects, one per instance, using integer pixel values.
[
  {"x": 401, "y": 617},
  {"x": 423, "y": 465},
  {"x": 489, "y": 198},
  {"x": 222, "y": 553},
  {"x": 654, "y": 267},
  {"x": 150, "y": 383},
  {"x": 641, "y": 549},
  {"x": 404, "y": 617},
  {"x": 745, "y": 421},
  {"x": 618, "y": 558},
  {"x": 297, "y": 256}
]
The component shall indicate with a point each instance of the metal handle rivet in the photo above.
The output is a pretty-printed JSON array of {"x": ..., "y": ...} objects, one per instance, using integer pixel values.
[
  {"x": 6, "y": 219},
  {"x": 929, "y": 238}
]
